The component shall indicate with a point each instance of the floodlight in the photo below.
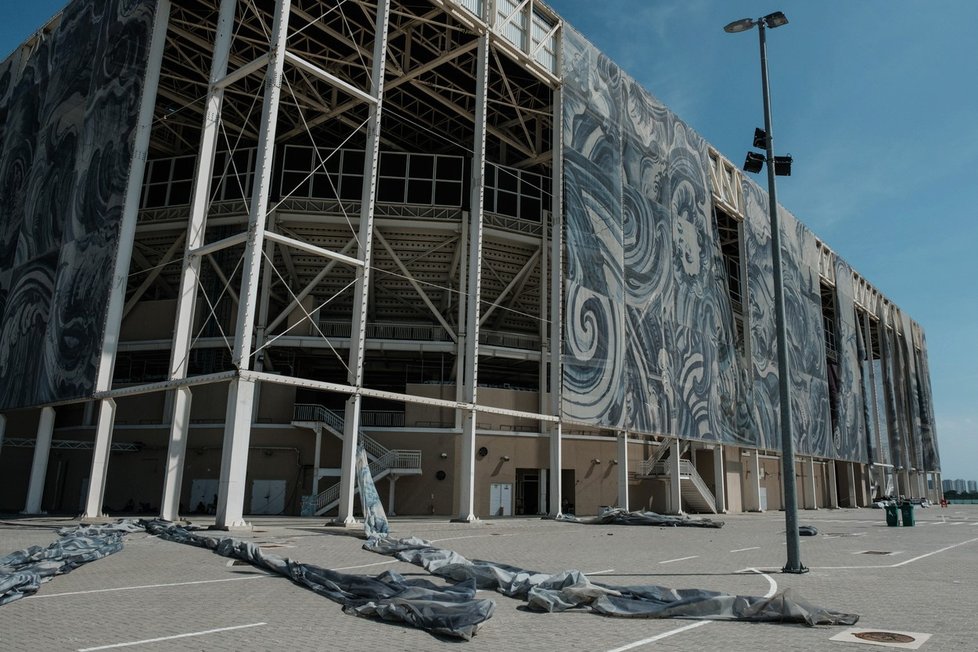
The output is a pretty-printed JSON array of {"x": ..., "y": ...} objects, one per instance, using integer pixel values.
[
  {"x": 760, "y": 138},
  {"x": 741, "y": 25},
  {"x": 754, "y": 162},
  {"x": 782, "y": 166},
  {"x": 777, "y": 19}
]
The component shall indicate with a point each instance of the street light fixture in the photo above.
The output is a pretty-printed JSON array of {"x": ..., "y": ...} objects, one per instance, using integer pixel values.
[
  {"x": 777, "y": 19},
  {"x": 754, "y": 162}
]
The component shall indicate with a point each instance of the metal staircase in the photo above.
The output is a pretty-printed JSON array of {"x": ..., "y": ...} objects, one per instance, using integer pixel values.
[
  {"x": 696, "y": 496},
  {"x": 383, "y": 461}
]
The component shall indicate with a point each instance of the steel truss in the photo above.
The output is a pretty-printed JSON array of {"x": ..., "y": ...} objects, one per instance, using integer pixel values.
[{"x": 240, "y": 79}]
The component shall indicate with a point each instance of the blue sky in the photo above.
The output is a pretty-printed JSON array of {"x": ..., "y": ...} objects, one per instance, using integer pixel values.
[{"x": 878, "y": 104}]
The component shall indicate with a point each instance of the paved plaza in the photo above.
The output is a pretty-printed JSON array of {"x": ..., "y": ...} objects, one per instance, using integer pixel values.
[{"x": 159, "y": 595}]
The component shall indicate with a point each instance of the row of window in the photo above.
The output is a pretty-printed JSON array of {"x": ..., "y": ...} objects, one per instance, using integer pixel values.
[{"x": 308, "y": 173}]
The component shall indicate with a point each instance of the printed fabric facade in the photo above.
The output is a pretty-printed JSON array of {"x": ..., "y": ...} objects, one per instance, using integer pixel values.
[
  {"x": 69, "y": 99},
  {"x": 649, "y": 331}
]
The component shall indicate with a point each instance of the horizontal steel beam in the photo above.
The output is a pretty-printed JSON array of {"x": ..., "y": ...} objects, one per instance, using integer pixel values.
[
  {"x": 257, "y": 376},
  {"x": 312, "y": 249},
  {"x": 230, "y": 241}
]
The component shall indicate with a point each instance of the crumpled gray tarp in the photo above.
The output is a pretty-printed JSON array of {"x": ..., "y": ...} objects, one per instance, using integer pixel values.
[
  {"x": 620, "y": 516},
  {"x": 572, "y": 589},
  {"x": 374, "y": 517},
  {"x": 23, "y": 571},
  {"x": 445, "y": 610}
]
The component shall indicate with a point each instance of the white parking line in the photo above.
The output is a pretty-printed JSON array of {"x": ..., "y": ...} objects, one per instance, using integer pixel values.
[
  {"x": 471, "y": 536},
  {"x": 669, "y": 561},
  {"x": 145, "y": 586},
  {"x": 746, "y": 549},
  {"x": 902, "y": 563},
  {"x": 379, "y": 563},
  {"x": 601, "y": 572},
  {"x": 772, "y": 585},
  {"x": 910, "y": 561},
  {"x": 659, "y": 637},
  {"x": 168, "y": 638}
]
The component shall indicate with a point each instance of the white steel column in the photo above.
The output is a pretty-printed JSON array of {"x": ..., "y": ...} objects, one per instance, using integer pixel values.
[
  {"x": 755, "y": 486},
  {"x": 241, "y": 393},
  {"x": 190, "y": 275},
  {"x": 317, "y": 456},
  {"x": 120, "y": 273},
  {"x": 477, "y": 191},
  {"x": 460, "y": 344},
  {"x": 234, "y": 454},
  {"x": 361, "y": 297},
  {"x": 623, "y": 470},
  {"x": 812, "y": 483},
  {"x": 556, "y": 298},
  {"x": 675, "y": 481},
  {"x": 833, "y": 486},
  {"x": 42, "y": 448},
  {"x": 556, "y": 461},
  {"x": 176, "y": 453},
  {"x": 351, "y": 430},
  {"x": 543, "y": 492},
  {"x": 720, "y": 478},
  {"x": 390, "y": 499},
  {"x": 100, "y": 459}
]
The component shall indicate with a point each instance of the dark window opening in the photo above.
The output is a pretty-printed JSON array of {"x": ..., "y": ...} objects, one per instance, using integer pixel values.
[
  {"x": 728, "y": 231},
  {"x": 830, "y": 335}
]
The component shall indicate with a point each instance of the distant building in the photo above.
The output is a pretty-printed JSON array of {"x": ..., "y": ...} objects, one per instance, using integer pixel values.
[{"x": 232, "y": 245}]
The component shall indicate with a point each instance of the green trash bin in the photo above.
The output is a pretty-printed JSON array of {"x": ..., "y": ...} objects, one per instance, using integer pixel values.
[
  {"x": 906, "y": 510},
  {"x": 892, "y": 519}
]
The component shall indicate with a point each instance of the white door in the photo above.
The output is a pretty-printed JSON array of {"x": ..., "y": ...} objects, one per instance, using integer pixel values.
[
  {"x": 267, "y": 496},
  {"x": 500, "y": 499}
]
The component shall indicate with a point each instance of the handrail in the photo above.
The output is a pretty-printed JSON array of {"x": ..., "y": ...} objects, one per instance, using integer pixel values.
[
  {"x": 686, "y": 468},
  {"x": 318, "y": 413},
  {"x": 384, "y": 459},
  {"x": 647, "y": 466}
]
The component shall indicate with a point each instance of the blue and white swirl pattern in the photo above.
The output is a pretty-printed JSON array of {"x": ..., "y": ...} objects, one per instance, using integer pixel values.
[{"x": 68, "y": 118}]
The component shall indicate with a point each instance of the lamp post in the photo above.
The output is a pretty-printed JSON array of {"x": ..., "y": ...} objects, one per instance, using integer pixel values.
[{"x": 793, "y": 564}]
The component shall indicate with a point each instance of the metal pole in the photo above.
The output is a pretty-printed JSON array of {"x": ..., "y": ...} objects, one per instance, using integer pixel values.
[
  {"x": 361, "y": 292},
  {"x": 794, "y": 564}
]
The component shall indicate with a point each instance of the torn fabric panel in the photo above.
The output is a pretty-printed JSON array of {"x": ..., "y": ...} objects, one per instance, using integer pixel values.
[
  {"x": 622, "y": 517},
  {"x": 23, "y": 572},
  {"x": 572, "y": 589},
  {"x": 374, "y": 517},
  {"x": 446, "y": 610}
]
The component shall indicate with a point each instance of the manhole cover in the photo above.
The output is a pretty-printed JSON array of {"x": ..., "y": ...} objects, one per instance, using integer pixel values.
[
  {"x": 884, "y": 637},
  {"x": 875, "y": 552},
  {"x": 891, "y": 639}
]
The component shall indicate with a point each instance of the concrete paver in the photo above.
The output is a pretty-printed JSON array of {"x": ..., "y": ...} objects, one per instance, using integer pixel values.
[{"x": 158, "y": 589}]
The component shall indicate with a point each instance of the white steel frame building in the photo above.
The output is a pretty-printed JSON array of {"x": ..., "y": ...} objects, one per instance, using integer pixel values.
[{"x": 410, "y": 224}]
